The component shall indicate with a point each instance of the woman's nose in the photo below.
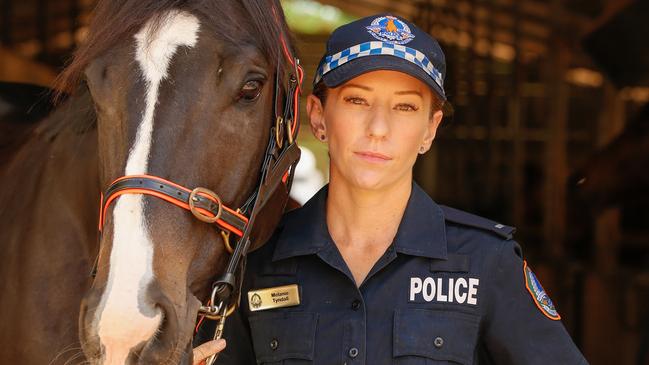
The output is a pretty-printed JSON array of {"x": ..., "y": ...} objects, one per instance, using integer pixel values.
[{"x": 378, "y": 122}]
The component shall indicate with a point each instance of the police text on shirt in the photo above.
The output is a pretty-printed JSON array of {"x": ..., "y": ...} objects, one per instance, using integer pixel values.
[{"x": 449, "y": 290}]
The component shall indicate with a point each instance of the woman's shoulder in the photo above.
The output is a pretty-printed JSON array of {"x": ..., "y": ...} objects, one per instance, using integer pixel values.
[
  {"x": 470, "y": 233},
  {"x": 489, "y": 246},
  {"x": 468, "y": 221}
]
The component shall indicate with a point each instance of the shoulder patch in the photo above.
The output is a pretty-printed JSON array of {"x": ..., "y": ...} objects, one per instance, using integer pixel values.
[
  {"x": 467, "y": 219},
  {"x": 539, "y": 296}
]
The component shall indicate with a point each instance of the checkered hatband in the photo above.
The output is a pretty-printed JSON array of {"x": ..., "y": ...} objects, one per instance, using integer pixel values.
[{"x": 376, "y": 48}]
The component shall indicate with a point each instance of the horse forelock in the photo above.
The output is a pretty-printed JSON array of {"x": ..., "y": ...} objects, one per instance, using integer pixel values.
[
  {"x": 257, "y": 22},
  {"x": 126, "y": 318}
]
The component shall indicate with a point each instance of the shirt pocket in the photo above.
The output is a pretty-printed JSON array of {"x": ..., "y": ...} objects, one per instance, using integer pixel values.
[
  {"x": 284, "y": 338},
  {"x": 425, "y": 336}
]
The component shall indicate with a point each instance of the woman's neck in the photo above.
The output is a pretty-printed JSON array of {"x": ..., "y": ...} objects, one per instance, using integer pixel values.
[{"x": 362, "y": 217}]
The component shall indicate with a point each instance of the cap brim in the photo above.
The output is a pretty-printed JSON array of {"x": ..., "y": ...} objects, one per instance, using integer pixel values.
[{"x": 361, "y": 65}]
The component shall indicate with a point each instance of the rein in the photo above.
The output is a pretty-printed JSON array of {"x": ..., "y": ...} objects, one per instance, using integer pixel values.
[{"x": 278, "y": 167}]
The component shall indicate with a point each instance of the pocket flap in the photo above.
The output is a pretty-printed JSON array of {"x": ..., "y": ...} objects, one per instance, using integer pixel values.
[
  {"x": 281, "y": 336},
  {"x": 435, "y": 334}
]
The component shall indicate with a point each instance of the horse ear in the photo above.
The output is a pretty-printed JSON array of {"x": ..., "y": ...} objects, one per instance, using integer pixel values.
[{"x": 269, "y": 217}]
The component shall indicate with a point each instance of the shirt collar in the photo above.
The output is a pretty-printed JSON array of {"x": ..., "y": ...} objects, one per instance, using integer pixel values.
[{"x": 422, "y": 231}]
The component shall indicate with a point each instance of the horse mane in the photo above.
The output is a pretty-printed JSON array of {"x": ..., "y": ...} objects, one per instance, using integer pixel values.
[
  {"x": 23, "y": 162},
  {"x": 257, "y": 22}
]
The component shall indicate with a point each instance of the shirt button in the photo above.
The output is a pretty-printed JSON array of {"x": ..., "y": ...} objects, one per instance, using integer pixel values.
[
  {"x": 439, "y": 342},
  {"x": 353, "y": 352},
  {"x": 273, "y": 344},
  {"x": 356, "y": 304}
]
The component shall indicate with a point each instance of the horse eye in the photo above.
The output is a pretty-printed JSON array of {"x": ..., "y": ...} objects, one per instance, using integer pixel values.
[{"x": 250, "y": 90}]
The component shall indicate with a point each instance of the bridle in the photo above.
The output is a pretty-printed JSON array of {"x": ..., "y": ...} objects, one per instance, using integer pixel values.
[{"x": 278, "y": 167}]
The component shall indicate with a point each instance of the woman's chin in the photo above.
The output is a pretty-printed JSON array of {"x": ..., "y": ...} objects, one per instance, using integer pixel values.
[
  {"x": 371, "y": 181},
  {"x": 360, "y": 176}
]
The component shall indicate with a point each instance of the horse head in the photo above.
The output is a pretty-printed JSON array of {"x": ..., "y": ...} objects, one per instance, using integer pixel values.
[{"x": 186, "y": 92}]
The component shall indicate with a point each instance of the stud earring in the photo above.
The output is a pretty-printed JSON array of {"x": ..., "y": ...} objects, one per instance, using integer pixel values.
[
  {"x": 322, "y": 137},
  {"x": 422, "y": 150}
]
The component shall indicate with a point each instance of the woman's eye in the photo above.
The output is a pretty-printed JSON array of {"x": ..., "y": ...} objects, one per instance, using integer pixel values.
[
  {"x": 355, "y": 100},
  {"x": 250, "y": 90},
  {"x": 406, "y": 107}
]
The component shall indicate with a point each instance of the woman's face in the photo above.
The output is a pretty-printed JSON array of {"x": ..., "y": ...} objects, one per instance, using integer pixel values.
[{"x": 375, "y": 125}]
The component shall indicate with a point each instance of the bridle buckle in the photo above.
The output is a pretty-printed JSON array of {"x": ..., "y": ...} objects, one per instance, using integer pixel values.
[
  {"x": 279, "y": 131},
  {"x": 198, "y": 212}
]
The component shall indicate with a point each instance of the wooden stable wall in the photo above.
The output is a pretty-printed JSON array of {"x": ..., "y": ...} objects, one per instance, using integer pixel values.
[
  {"x": 43, "y": 32},
  {"x": 17, "y": 68}
]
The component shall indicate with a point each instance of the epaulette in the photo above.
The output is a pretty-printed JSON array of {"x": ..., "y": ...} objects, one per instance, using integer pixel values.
[{"x": 467, "y": 219}]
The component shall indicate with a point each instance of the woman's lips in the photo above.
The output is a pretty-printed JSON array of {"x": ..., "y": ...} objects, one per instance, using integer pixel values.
[{"x": 373, "y": 156}]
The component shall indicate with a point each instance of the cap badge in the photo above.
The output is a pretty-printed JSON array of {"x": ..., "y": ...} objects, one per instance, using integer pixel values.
[{"x": 390, "y": 29}]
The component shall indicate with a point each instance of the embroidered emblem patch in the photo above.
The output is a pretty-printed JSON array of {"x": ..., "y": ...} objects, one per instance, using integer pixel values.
[
  {"x": 539, "y": 296},
  {"x": 390, "y": 29}
]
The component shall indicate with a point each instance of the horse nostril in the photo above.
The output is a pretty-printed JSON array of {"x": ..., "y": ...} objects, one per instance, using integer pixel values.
[
  {"x": 163, "y": 320},
  {"x": 162, "y": 347},
  {"x": 87, "y": 327}
]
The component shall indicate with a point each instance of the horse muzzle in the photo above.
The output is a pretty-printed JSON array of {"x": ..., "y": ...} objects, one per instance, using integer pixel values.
[{"x": 160, "y": 332}]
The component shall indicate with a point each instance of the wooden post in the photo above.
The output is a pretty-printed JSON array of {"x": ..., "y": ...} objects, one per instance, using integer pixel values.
[
  {"x": 515, "y": 106},
  {"x": 556, "y": 164},
  {"x": 602, "y": 325},
  {"x": 607, "y": 228},
  {"x": 6, "y": 10}
]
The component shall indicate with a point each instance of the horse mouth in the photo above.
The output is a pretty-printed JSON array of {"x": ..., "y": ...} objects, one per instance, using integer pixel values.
[{"x": 170, "y": 343}]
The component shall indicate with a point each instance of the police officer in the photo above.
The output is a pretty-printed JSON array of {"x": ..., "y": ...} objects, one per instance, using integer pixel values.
[{"x": 371, "y": 270}]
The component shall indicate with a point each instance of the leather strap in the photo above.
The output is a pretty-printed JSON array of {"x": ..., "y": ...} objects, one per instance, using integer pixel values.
[{"x": 229, "y": 219}]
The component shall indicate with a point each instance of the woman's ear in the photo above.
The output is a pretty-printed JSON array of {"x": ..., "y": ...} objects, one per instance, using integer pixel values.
[
  {"x": 433, "y": 123},
  {"x": 315, "y": 112}
]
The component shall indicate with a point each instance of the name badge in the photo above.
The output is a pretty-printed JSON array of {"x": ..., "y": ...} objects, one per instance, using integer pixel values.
[{"x": 277, "y": 297}]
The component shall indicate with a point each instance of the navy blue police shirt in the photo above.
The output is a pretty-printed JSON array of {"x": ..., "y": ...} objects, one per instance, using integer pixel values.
[{"x": 451, "y": 289}]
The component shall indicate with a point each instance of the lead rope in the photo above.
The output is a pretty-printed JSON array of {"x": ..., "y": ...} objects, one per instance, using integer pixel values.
[{"x": 218, "y": 334}]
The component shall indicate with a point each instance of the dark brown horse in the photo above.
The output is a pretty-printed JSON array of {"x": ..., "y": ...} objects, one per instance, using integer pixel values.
[{"x": 183, "y": 90}]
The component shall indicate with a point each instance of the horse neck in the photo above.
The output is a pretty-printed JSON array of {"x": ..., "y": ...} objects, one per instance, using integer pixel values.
[
  {"x": 51, "y": 183},
  {"x": 49, "y": 199}
]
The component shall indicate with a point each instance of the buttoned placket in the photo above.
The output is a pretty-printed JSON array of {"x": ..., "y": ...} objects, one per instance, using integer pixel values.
[
  {"x": 421, "y": 233},
  {"x": 354, "y": 349}
]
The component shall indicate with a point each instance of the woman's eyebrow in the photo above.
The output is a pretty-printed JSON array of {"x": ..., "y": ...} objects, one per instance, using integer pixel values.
[
  {"x": 367, "y": 88},
  {"x": 409, "y": 92}
]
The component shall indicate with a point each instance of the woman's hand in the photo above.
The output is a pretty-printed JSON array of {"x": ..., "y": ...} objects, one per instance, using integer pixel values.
[{"x": 204, "y": 351}]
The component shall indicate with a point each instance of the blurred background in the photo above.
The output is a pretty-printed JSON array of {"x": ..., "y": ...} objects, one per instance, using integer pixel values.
[{"x": 550, "y": 133}]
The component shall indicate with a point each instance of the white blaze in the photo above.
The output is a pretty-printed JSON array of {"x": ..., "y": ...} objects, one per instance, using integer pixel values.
[{"x": 121, "y": 323}]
